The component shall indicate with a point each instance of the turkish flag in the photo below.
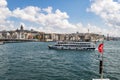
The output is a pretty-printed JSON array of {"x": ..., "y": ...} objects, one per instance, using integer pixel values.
[{"x": 100, "y": 48}]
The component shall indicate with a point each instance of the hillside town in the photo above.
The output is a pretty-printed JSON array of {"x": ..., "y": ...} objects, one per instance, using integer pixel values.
[{"x": 21, "y": 34}]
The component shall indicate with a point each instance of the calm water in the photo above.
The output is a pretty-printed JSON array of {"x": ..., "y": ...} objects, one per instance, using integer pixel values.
[{"x": 34, "y": 61}]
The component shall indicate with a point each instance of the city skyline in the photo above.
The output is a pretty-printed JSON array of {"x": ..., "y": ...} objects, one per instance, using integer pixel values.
[{"x": 99, "y": 16}]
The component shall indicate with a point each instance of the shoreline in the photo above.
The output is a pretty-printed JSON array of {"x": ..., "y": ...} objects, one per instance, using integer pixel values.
[
  {"x": 18, "y": 40},
  {"x": 21, "y": 40}
]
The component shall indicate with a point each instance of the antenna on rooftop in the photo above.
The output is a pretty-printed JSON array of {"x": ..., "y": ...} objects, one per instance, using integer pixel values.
[{"x": 88, "y": 30}]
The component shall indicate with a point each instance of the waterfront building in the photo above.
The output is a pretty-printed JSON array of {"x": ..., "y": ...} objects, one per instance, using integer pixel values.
[
  {"x": 19, "y": 34},
  {"x": 48, "y": 37},
  {"x": 62, "y": 37},
  {"x": 3, "y": 34},
  {"x": 0, "y": 35},
  {"x": 42, "y": 36},
  {"x": 75, "y": 37},
  {"x": 26, "y": 34},
  {"x": 58, "y": 37}
]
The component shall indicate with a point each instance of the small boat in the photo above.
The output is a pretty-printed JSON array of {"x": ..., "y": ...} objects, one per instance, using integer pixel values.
[
  {"x": 73, "y": 46},
  {"x": 1, "y": 43}
]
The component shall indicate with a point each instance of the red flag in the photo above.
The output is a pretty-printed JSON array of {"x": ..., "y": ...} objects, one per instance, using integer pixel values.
[{"x": 100, "y": 48}]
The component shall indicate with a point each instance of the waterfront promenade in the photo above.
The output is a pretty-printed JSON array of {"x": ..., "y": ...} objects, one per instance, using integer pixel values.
[{"x": 18, "y": 40}]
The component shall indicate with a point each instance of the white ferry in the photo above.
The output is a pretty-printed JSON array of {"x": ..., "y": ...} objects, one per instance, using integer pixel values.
[{"x": 73, "y": 46}]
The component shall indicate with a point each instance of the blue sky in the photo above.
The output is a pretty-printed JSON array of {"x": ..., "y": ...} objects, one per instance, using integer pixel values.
[
  {"x": 75, "y": 9},
  {"x": 62, "y": 16}
]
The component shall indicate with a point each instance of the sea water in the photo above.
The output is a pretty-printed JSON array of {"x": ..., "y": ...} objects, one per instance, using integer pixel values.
[{"x": 34, "y": 61}]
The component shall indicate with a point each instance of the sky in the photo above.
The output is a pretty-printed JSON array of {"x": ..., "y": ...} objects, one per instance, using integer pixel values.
[{"x": 62, "y": 16}]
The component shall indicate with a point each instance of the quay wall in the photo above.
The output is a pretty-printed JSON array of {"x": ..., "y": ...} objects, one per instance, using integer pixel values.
[{"x": 18, "y": 40}]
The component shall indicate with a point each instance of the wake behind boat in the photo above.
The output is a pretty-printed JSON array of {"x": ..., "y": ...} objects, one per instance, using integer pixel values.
[{"x": 73, "y": 46}]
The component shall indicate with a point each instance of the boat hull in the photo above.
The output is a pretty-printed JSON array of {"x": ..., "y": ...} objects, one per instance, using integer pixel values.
[{"x": 68, "y": 48}]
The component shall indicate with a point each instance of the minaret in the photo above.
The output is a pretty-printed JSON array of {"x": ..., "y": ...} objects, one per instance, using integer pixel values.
[
  {"x": 108, "y": 37},
  {"x": 88, "y": 31},
  {"x": 21, "y": 28}
]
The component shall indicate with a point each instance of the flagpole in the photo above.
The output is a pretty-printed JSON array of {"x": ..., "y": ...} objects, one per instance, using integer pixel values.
[
  {"x": 102, "y": 67},
  {"x": 101, "y": 51},
  {"x": 102, "y": 63}
]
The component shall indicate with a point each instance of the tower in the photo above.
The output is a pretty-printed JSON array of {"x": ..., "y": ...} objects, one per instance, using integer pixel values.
[
  {"x": 108, "y": 37},
  {"x": 21, "y": 28}
]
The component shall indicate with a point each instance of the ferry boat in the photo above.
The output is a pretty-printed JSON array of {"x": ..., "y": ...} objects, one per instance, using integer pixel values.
[{"x": 73, "y": 46}]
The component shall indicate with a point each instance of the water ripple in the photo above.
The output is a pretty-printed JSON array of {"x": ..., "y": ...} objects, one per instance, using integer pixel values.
[{"x": 34, "y": 61}]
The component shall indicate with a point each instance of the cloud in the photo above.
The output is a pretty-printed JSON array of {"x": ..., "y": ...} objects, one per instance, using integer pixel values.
[
  {"x": 5, "y": 13},
  {"x": 109, "y": 10},
  {"x": 48, "y": 10},
  {"x": 47, "y": 20},
  {"x": 3, "y": 3},
  {"x": 45, "y": 17},
  {"x": 29, "y": 13}
]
